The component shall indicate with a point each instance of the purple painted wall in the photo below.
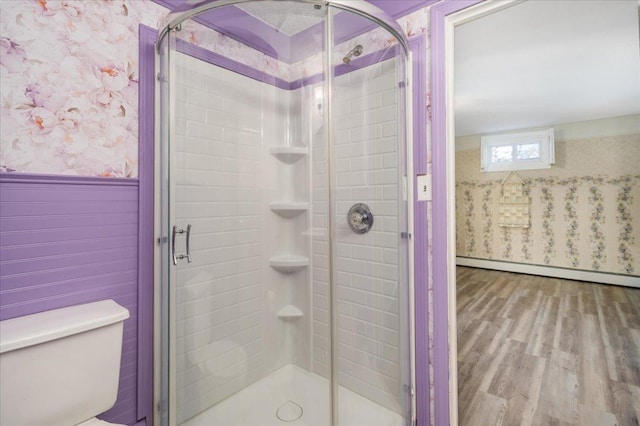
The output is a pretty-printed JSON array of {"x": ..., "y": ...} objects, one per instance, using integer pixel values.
[
  {"x": 440, "y": 220},
  {"x": 71, "y": 240}
]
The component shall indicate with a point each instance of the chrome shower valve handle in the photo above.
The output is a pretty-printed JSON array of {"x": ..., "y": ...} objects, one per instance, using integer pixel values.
[{"x": 360, "y": 218}]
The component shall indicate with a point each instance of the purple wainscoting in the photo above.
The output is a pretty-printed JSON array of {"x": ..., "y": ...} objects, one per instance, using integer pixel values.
[
  {"x": 440, "y": 220},
  {"x": 71, "y": 240}
]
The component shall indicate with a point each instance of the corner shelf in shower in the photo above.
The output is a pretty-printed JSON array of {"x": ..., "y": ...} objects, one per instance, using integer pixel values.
[
  {"x": 289, "y": 154},
  {"x": 289, "y": 208},
  {"x": 289, "y": 263},
  {"x": 290, "y": 313}
]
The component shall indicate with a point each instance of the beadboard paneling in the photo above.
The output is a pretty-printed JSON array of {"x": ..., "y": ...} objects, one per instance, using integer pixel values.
[{"x": 71, "y": 240}]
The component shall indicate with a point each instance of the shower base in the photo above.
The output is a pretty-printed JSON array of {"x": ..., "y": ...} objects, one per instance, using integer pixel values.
[{"x": 288, "y": 387}]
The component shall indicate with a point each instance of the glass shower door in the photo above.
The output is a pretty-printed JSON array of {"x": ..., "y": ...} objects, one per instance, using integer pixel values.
[
  {"x": 370, "y": 289},
  {"x": 217, "y": 235},
  {"x": 239, "y": 159},
  {"x": 285, "y": 232}
]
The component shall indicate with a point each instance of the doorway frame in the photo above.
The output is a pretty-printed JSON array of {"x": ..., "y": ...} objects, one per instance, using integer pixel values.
[{"x": 444, "y": 17}]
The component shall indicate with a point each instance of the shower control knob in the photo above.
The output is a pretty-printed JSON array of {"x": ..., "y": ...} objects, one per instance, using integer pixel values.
[{"x": 360, "y": 218}]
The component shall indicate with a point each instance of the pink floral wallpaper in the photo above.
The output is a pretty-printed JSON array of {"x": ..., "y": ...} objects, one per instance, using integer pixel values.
[{"x": 69, "y": 85}]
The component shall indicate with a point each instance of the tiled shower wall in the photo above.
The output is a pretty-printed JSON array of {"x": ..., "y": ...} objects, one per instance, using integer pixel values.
[
  {"x": 367, "y": 264},
  {"x": 226, "y": 133},
  {"x": 220, "y": 307}
]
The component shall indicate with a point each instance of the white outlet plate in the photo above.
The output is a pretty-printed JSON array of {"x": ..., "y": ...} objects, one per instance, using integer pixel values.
[{"x": 424, "y": 187}]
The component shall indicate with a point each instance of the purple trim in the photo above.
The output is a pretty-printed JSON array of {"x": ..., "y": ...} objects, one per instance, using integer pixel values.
[
  {"x": 418, "y": 47},
  {"x": 244, "y": 28},
  {"x": 66, "y": 179},
  {"x": 341, "y": 69},
  {"x": 400, "y": 8},
  {"x": 216, "y": 59},
  {"x": 307, "y": 81},
  {"x": 439, "y": 214},
  {"x": 366, "y": 61},
  {"x": 224, "y": 62},
  {"x": 146, "y": 127}
]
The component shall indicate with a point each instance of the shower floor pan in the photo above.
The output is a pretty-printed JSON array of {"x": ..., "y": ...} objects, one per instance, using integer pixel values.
[{"x": 288, "y": 392}]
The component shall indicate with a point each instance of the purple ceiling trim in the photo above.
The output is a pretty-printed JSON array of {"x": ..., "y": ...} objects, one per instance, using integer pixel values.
[
  {"x": 235, "y": 66},
  {"x": 244, "y": 28},
  {"x": 215, "y": 59},
  {"x": 440, "y": 220},
  {"x": 146, "y": 125},
  {"x": 418, "y": 47},
  {"x": 400, "y": 8}
]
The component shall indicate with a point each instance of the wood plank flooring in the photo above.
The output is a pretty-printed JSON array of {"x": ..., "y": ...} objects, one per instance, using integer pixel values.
[{"x": 546, "y": 351}]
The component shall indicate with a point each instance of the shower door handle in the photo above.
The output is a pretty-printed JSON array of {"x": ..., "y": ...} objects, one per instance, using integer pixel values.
[
  {"x": 175, "y": 257},
  {"x": 188, "y": 243}
]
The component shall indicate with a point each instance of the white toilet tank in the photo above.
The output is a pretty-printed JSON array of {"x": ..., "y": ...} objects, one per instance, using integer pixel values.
[{"x": 60, "y": 367}]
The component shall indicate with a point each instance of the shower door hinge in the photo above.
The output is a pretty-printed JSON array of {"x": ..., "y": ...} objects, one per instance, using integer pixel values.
[
  {"x": 405, "y": 235},
  {"x": 402, "y": 84}
]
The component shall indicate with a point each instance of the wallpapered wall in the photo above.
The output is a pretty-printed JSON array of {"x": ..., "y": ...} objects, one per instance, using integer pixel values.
[
  {"x": 585, "y": 210},
  {"x": 69, "y": 85}
]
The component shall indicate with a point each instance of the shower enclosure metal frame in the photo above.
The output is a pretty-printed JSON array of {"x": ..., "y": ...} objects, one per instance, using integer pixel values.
[{"x": 173, "y": 22}]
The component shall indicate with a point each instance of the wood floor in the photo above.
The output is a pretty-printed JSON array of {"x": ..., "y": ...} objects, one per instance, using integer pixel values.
[{"x": 546, "y": 351}]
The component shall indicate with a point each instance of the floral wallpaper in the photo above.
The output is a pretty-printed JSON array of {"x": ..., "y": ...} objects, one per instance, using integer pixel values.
[
  {"x": 69, "y": 85},
  {"x": 582, "y": 216}
]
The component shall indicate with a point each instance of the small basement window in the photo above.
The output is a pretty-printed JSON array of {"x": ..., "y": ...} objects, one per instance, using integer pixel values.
[{"x": 517, "y": 151}]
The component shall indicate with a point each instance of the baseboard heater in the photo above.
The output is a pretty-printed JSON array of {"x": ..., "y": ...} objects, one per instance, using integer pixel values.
[{"x": 551, "y": 271}]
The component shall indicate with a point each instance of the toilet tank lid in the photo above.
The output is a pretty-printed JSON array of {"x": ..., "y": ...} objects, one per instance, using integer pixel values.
[{"x": 29, "y": 330}]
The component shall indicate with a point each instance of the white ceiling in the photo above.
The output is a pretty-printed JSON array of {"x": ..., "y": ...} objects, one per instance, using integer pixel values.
[{"x": 542, "y": 63}]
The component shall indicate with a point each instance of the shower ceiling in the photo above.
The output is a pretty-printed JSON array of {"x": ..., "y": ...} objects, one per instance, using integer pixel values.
[
  {"x": 300, "y": 16},
  {"x": 298, "y": 26}
]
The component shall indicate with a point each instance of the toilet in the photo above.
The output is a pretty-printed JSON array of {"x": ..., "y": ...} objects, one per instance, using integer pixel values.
[{"x": 61, "y": 367}]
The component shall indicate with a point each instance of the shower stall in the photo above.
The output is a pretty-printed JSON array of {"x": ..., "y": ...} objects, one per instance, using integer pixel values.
[{"x": 285, "y": 227}]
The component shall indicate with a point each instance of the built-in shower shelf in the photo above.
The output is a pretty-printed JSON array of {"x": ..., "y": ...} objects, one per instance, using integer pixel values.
[
  {"x": 290, "y": 313},
  {"x": 289, "y": 208},
  {"x": 289, "y": 154},
  {"x": 289, "y": 263}
]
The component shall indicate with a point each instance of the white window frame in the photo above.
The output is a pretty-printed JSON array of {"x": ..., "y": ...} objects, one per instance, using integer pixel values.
[{"x": 547, "y": 150}]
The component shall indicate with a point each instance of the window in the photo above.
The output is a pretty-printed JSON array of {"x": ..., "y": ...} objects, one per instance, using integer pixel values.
[{"x": 517, "y": 151}]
